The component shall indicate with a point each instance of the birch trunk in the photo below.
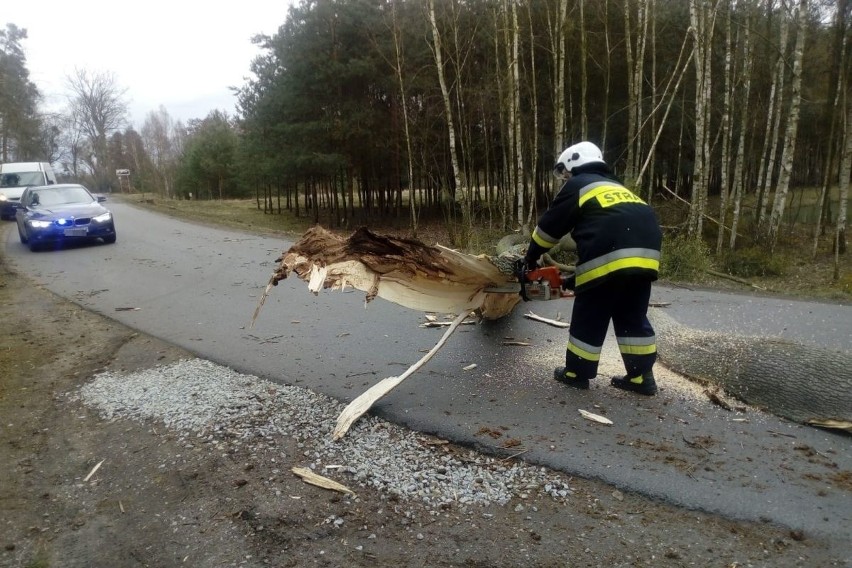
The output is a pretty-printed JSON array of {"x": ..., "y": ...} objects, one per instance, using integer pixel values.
[
  {"x": 445, "y": 94},
  {"x": 558, "y": 46},
  {"x": 531, "y": 213},
  {"x": 836, "y": 116},
  {"x": 739, "y": 161},
  {"x": 792, "y": 128},
  {"x": 845, "y": 171},
  {"x": 776, "y": 99},
  {"x": 398, "y": 65},
  {"x": 632, "y": 96},
  {"x": 726, "y": 133},
  {"x": 702, "y": 29},
  {"x": 515, "y": 80}
]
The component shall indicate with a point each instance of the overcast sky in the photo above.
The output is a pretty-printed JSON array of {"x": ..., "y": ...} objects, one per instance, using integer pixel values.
[{"x": 182, "y": 54}]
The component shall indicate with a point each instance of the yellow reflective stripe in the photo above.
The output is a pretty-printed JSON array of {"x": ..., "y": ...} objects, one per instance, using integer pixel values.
[
  {"x": 582, "y": 353},
  {"x": 638, "y": 380},
  {"x": 629, "y": 262},
  {"x": 622, "y": 193},
  {"x": 637, "y": 349},
  {"x": 541, "y": 239}
]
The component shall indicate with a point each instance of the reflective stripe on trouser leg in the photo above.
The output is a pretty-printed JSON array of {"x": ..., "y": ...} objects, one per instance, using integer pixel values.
[
  {"x": 581, "y": 358},
  {"x": 636, "y": 338},
  {"x": 589, "y": 322},
  {"x": 639, "y": 354}
]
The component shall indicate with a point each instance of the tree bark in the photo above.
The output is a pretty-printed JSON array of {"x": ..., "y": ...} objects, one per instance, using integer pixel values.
[
  {"x": 845, "y": 171},
  {"x": 791, "y": 133},
  {"x": 806, "y": 384}
]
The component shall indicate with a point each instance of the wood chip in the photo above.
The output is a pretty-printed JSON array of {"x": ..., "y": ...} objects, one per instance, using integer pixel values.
[
  {"x": 309, "y": 476},
  {"x": 595, "y": 417},
  {"x": 94, "y": 469}
]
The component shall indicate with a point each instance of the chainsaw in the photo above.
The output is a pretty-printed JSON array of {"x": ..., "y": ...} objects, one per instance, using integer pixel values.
[{"x": 545, "y": 283}]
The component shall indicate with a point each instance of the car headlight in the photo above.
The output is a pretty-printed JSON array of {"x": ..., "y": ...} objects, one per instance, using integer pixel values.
[
  {"x": 40, "y": 224},
  {"x": 103, "y": 218},
  {"x": 3, "y": 197}
]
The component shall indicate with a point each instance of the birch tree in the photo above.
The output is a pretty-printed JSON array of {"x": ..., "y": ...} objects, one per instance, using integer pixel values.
[
  {"x": 702, "y": 20},
  {"x": 635, "y": 54},
  {"x": 773, "y": 121},
  {"x": 157, "y": 136},
  {"x": 836, "y": 113},
  {"x": 845, "y": 172},
  {"x": 398, "y": 64},
  {"x": 789, "y": 150},
  {"x": 445, "y": 95},
  {"x": 726, "y": 131},
  {"x": 739, "y": 160},
  {"x": 558, "y": 21}
]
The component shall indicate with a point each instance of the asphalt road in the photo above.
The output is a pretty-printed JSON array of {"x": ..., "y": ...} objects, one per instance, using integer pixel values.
[{"x": 197, "y": 287}]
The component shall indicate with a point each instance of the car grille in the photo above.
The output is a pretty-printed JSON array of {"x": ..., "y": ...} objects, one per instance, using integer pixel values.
[{"x": 79, "y": 222}]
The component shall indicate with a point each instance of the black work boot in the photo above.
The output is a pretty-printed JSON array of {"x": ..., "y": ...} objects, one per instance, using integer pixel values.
[
  {"x": 642, "y": 384},
  {"x": 566, "y": 379}
]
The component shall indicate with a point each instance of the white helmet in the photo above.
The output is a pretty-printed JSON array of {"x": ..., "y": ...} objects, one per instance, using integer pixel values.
[{"x": 577, "y": 155}]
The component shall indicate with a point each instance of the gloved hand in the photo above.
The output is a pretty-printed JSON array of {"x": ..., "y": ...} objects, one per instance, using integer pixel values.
[{"x": 528, "y": 263}]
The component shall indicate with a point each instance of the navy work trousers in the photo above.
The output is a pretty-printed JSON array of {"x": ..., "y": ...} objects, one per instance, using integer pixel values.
[{"x": 624, "y": 301}]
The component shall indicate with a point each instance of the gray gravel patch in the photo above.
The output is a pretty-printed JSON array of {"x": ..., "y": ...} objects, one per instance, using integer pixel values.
[{"x": 206, "y": 403}]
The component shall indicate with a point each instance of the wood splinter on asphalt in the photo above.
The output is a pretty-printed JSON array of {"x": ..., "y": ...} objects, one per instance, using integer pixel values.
[
  {"x": 94, "y": 469},
  {"x": 553, "y": 322},
  {"x": 362, "y": 404},
  {"x": 309, "y": 476},
  {"x": 595, "y": 417}
]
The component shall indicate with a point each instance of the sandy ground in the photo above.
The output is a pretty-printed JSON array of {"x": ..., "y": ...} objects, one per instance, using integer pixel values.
[{"x": 155, "y": 502}]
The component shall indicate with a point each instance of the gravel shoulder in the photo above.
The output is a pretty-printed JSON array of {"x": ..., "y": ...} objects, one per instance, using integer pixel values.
[{"x": 98, "y": 477}]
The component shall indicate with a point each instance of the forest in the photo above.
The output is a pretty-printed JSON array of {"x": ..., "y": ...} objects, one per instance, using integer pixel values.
[{"x": 733, "y": 116}]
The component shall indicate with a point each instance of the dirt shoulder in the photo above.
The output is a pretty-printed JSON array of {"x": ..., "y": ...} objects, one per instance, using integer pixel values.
[{"x": 157, "y": 501}]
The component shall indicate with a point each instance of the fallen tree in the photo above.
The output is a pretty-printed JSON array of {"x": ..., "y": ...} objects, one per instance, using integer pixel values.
[
  {"x": 803, "y": 383},
  {"x": 404, "y": 271}
]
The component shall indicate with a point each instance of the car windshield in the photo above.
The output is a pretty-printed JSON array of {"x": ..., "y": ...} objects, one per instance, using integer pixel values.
[
  {"x": 61, "y": 196},
  {"x": 21, "y": 179}
]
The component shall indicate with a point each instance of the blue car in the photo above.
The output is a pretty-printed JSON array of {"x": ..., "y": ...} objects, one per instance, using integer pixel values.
[{"x": 62, "y": 213}]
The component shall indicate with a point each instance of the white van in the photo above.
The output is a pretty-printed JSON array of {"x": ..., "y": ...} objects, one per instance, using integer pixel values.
[{"x": 15, "y": 177}]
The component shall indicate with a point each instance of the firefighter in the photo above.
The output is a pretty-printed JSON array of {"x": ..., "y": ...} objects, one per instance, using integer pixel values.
[{"x": 618, "y": 248}]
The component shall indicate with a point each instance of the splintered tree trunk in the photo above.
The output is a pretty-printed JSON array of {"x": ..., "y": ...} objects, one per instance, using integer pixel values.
[{"x": 403, "y": 271}]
